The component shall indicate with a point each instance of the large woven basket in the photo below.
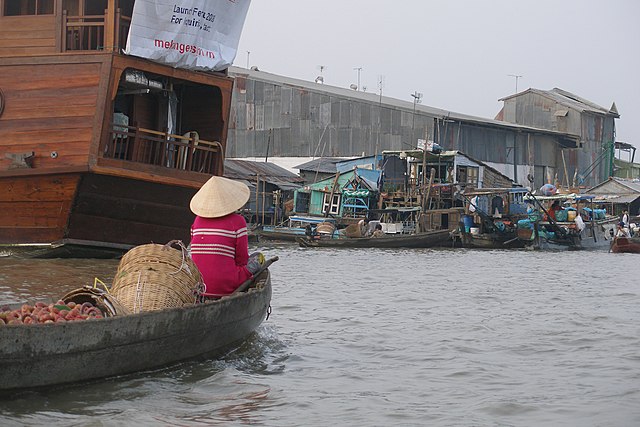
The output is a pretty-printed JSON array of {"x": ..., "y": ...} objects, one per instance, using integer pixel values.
[
  {"x": 353, "y": 230},
  {"x": 155, "y": 277}
]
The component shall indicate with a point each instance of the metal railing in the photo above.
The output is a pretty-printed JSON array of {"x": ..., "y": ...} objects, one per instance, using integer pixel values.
[{"x": 182, "y": 152}]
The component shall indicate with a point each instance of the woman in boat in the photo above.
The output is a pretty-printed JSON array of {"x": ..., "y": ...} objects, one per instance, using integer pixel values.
[{"x": 219, "y": 242}]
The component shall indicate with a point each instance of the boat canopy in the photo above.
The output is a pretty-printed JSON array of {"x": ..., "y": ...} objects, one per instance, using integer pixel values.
[{"x": 310, "y": 219}]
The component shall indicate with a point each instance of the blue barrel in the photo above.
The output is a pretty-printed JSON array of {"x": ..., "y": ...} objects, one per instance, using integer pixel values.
[{"x": 467, "y": 220}]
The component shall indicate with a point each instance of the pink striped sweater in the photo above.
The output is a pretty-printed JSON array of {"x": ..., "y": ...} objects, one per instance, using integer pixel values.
[{"x": 220, "y": 249}]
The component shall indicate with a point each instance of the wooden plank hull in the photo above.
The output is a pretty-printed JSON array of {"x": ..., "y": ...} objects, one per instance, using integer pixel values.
[
  {"x": 630, "y": 245},
  {"x": 36, "y": 209},
  {"x": 419, "y": 240},
  {"x": 47, "y": 354},
  {"x": 92, "y": 210}
]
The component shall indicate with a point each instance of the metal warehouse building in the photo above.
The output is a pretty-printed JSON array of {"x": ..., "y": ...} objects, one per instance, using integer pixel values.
[{"x": 538, "y": 137}]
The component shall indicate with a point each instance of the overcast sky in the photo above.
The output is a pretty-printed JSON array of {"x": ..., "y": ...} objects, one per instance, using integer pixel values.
[{"x": 460, "y": 54}]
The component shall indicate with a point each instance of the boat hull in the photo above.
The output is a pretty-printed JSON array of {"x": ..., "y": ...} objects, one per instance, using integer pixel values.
[
  {"x": 419, "y": 240},
  {"x": 68, "y": 214},
  {"x": 46, "y": 354},
  {"x": 490, "y": 241},
  {"x": 629, "y": 245}
]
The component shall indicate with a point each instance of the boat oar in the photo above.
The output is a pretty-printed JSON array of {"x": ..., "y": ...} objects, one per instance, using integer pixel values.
[{"x": 244, "y": 286}]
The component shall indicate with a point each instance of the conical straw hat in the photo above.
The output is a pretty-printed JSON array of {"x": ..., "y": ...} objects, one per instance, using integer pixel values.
[{"x": 219, "y": 197}]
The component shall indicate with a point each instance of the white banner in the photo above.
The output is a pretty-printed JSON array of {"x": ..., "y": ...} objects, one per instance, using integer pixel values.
[{"x": 192, "y": 34}]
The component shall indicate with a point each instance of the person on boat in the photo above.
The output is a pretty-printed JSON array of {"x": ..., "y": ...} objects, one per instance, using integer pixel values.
[
  {"x": 219, "y": 242},
  {"x": 378, "y": 231},
  {"x": 555, "y": 207},
  {"x": 625, "y": 219},
  {"x": 622, "y": 231}
]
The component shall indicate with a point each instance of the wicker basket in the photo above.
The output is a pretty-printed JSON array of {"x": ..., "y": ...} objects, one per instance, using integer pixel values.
[
  {"x": 353, "y": 230},
  {"x": 107, "y": 303},
  {"x": 325, "y": 228},
  {"x": 155, "y": 277}
]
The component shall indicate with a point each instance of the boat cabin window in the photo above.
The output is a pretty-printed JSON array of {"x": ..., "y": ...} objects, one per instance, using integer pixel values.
[
  {"x": 28, "y": 7},
  {"x": 331, "y": 204}
]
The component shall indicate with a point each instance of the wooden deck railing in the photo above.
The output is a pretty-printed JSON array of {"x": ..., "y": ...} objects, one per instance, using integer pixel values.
[
  {"x": 183, "y": 152},
  {"x": 88, "y": 32}
]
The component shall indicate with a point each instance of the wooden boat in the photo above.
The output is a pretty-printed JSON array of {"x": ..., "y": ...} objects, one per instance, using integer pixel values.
[
  {"x": 488, "y": 240},
  {"x": 427, "y": 239},
  {"x": 626, "y": 245},
  {"x": 88, "y": 154},
  {"x": 491, "y": 223},
  {"x": 547, "y": 234},
  {"x": 297, "y": 227},
  {"x": 46, "y": 354}
]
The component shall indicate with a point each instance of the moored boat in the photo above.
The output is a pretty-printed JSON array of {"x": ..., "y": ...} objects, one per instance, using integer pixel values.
[
  {"x": 427, "y": 239},
  {"x": 492, "y": 219},
  {"x": 41, "y": 355},
  {"x": 626, "y": 245},
  {"x": 100, "y": 149},
  {"x": 574, "y": 226},
  {"x": 298, "y": 226}
]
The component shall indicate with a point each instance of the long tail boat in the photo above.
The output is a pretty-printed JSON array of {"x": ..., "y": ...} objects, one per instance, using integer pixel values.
[{"x": 99, "y": 149}]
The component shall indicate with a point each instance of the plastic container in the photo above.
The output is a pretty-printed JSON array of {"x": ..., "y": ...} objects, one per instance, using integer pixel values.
[
  {"x": 561, "y": 215},
  {"x": 467, "y": 220},
  {"x": 524, "y": 224},
  {"x": 474, "y": 230}
]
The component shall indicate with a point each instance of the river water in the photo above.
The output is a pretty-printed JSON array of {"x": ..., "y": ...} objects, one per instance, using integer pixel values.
[{"x": 384, "y": 337}]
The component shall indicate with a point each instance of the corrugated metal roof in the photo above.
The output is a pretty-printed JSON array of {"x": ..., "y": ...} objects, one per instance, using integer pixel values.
[
  {"x": 269, "y": 172},
  {"x": 568, "y": 99},
  {"x": 632, "y": 184},
  {"x": 616, "y": 198},
  {"x": 322, "y": 164},
  {"x": 377, "y": 99}
]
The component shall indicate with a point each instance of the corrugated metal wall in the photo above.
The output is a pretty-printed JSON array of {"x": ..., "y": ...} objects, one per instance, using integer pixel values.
[
  {"x": 287, "y": 121},
  {"x": 595, "y": 132},
  {"x": 292, "y": 121}
]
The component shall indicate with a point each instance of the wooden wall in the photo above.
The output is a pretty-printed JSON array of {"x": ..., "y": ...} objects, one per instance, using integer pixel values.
[
  {"x": 28, "y": 35},
  {"x": 35, "y": 209},
  {"x": 51, "y": 110}
]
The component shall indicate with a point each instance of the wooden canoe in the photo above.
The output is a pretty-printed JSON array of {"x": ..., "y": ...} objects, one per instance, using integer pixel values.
[
  {"x": 489, "y": 240},
  {"x": 39, "y": 355},
  {"x": 427, "y": 239},
  {"x": 626, "y": 245}
]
